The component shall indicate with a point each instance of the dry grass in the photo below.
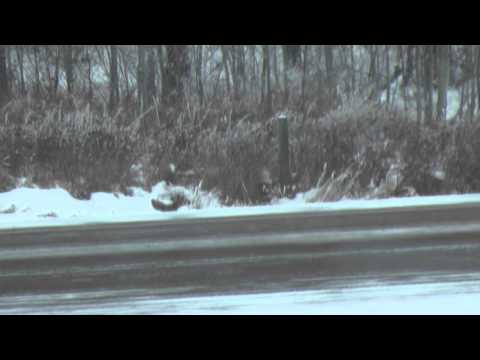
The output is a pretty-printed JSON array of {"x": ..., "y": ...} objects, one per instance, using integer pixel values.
[{"x": 342, "y": 153}]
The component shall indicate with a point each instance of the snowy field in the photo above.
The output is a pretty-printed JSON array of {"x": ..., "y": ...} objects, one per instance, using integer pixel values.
[
  {"x": 33, "y": 207},
  {"x": 455, "y": 295}
]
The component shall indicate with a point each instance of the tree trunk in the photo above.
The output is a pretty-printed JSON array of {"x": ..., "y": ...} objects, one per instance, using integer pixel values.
[
  {"x": 10, "y": 74},
  {"x": 409, "y": 68},
  {"x": 428, "y": 66},
  {"x": 462, "y": 101},
  {"x": 161, "y": 61},
  {"x": 57, "y": 71},
  {"x": 241, "y": 69},
  {"x": 275, "y": 66},
  {"x": 352, "y": 64},
  {"x": 254, "y": 72},
  {"x": 150, "y": 83},
  {"x": 472, "y": 61},
  {"x": 286, "y": 84},
  {"x": 89, "y": 74},
  {"x": 304, "y": 78},
  {"x": 20, "y": 55},
  {"x": 234, "y": 57},
  {"x": 372, "y": 69},
  {"x": 292, "y": 55},
  {"x": 68, "y": 60},
  {"x": 477, "y": 74},
  {"x": 387, "y": 71},
  {"x": 226, "y": 69},
  {"x": 176, "y": 70},
  {"x": 50, "y": 77},
  {"x": 443, "y": 78},
  {"x": 141, "y": 78},
  {"x": 114, "y": 90},
  {"x": 291, "y": 58},
  {"x": 267, "y": 73},
  {"x": 198, "y": 73},
  {"x": 37, "y": 72},
  {"x": 332, "y": 93},
  {"x": 4, "y": 89},
  {"x": 124, "y": 69},
  {"x": 418, "y": 94}
]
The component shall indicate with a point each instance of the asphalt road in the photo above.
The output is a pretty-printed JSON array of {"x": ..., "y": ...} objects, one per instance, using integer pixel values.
[{"x": 256, "y": 254}]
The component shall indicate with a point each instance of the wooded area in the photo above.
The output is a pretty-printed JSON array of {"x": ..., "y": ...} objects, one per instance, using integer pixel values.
[
  {"x": 274, "y": 76},
  {"x": 194, "y": 105}
]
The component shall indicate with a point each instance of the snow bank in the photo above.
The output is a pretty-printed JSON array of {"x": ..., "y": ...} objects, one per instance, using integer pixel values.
[{"x": 32, "y": 207}]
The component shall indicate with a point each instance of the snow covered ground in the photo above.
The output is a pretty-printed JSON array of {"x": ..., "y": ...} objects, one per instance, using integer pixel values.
[
  {"x": 434, "y": 298},
  {"x": 428, "y": 297},
  {"x": 33, "y": 207}
]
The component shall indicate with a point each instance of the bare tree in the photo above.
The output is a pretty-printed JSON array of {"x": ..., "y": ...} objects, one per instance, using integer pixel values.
[
  {"x": 177, "y": 69},
  {"x": 57, "y": 71},
  {"x": 141, "y": 78},
  {"x": 19, "y": 50},
  {"x": 37, "y": 88},
  {"x": 150, "y": 80},
  {"x": 292, "y": 55},
  {"x": 253, "y": 72},
  {"x": 267, "y": 80},
  {"x": 226, "y": 68},
  {"x": 68, "y": 63},
  {"x": 114, "y": 90},
  {"x": 331, "y": 82},
  {"x": 4, "y": 88},
  {"x": 304, "y": 77},
  {"x": 409, "y": 66},
  {"x": 418, "y": 75},
  {"x": 443, "y": 78},
  {"x": 198, "y": 73},
  {"x": 372, "y": 69},
  {"x": 88, "y": 61},
  {"x": 428, "y": 79},
  {"x": 477, "y": 73},
  {"x": 470, "y": 70},
  {"x": 235, "y": 59},
  {"x": 353, "y": 69},
  {"x": 289, "y": 60},
  {"x": 387, "y": 71}
]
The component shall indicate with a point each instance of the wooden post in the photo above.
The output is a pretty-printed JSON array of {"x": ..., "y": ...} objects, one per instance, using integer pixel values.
[{"x": 284, "y": 165}]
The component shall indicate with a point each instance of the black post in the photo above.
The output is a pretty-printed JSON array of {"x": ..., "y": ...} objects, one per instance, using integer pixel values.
[{"x": 284, "y": 152}]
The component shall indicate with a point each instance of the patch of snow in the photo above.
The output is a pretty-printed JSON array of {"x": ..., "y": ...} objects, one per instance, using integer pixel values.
[
  {"x": 408, "y": 102},
  {"x": 453, "y": 103},
  {"x": 30, "y": 203},
  {"x": 435, "y": 298},
  {"x": 439, "y": 174},
  {"x": 461, "y": 296}
]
